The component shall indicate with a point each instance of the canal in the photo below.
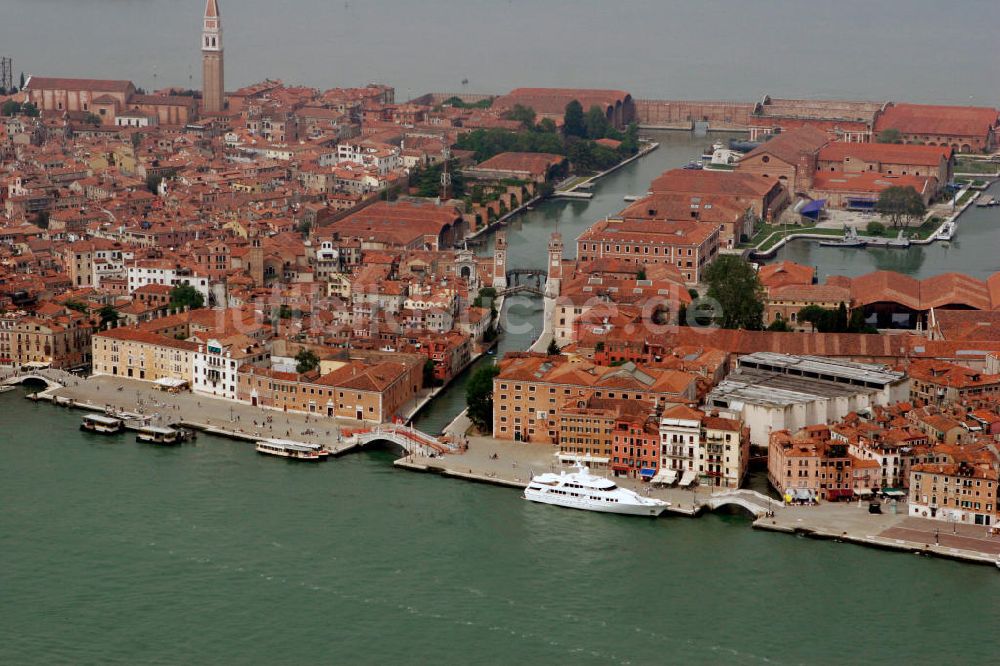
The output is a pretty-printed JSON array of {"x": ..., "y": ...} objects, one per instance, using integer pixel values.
[{"x": 528, "y": 238}]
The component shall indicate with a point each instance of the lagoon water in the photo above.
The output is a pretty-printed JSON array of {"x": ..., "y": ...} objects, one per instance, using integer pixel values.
[
  {"x": 115, "y": 552},
  {"x": 915, "y": 50}
]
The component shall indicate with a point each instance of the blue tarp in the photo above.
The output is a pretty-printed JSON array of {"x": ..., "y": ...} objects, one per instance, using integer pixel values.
[
  {"x": 645, "y": 471},
  {"x": 813, "y": 208}
]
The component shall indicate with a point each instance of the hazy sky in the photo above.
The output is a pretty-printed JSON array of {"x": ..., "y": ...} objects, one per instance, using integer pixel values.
[{"x": 919, "y": 50}]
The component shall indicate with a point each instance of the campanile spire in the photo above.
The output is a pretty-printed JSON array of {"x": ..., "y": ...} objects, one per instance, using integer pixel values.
[{"x": 213, "y": 85}]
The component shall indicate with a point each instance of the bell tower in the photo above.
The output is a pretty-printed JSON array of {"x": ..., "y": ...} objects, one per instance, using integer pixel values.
[
  {"x": 555, "y": 267},
  {"x": 500, "y": 260},
  {"x": 213, "y": 84}
]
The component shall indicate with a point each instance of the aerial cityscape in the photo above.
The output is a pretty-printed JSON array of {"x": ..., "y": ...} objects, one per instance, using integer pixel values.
[{"x": 758, "y": 332}]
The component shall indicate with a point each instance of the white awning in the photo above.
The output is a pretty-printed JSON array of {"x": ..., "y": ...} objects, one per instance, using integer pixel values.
[
  {"x": 582, "y": 457},
  {"x": 688, "y": 477},
  {"x": 170, "y": 382},
  {"x": 665, "y": 476},
  {"x": 862, "y": 491}
]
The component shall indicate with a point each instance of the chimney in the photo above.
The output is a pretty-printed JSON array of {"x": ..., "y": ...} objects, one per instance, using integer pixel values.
[{"x": 804, "y": 172}]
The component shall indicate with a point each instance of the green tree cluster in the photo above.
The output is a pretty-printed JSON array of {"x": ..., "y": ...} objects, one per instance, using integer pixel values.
[
  {"x": 306, "y": 361},
  {"x": 185, "y": 295},
  {"x": 108, "y": 315},
  {"x": 428, "y": 180},
  {"x": 734, "y": 284},
  {"x": 479, "y": 397},
  {"x": 458, "y": 103},
  {"x": 13, "y": 108},
  {"x": 900, "y": 204},
  {"x": 838, "y": 320},
  {"x": 486, "y": 143}
]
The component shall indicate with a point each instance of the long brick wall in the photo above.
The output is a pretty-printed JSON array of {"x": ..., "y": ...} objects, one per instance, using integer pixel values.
[{"x": 682, "y": 114}]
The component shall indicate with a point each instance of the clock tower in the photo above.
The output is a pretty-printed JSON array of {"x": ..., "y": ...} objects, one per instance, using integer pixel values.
[{"x": 213, "y": 85}]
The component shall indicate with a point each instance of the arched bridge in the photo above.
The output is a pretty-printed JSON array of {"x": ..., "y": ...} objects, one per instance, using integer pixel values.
[
  {"x": 522, "y": 289},
  {"x": 50, "y": 384},
  {"x": 517, "y": 285},
  {"x": 756, "y": 503},
  {"x": 410, "y": 439}
]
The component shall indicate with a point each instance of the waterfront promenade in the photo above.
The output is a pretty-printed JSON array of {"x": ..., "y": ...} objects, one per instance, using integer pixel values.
[
  {"x": 512, "y": 464},
  {"x": 223, "y": 417}
]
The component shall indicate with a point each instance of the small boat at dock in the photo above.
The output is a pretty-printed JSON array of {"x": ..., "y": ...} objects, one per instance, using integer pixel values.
[
  {"x": 101, "y": 424},
  {"x": 984, "y": 200},
  {"x": 283, "y": 448},
  {"x": 850, "y": 239},
  {"x": 947, "y": 232},
  {"x": 157, "y": 435}
]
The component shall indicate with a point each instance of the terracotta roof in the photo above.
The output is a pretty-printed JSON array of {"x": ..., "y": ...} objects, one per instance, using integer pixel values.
[
  {"x": 971, "y": 121},
  {"x": 789, "y": 146},
  {"x": 891, "y": 153},
  {"x": 694, "y": 181},
  {"x": 533, "y": 163},
  {"x": 94, "y": 85},
  {"x": 212, "y": 9},
  {"x": 785, "y": 273},
  {"x": 866, "y": 181}
]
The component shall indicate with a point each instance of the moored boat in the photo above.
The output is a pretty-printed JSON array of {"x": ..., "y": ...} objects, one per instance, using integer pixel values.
[
  {"x": 157, "y": 435},
  {"x": 850, "y": 239},
  {"x": 947, "y": 231},
  {"x": 101, "y": 424},
  {"x": 283, "y": 448},
  {"x": 583, "y": 490}
]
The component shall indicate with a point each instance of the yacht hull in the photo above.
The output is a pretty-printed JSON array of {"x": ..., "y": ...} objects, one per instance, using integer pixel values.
[{"x": 650, "y": 511}]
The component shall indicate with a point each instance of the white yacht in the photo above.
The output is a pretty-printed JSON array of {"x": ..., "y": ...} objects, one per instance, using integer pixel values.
[{"x": 582, "y": 490}]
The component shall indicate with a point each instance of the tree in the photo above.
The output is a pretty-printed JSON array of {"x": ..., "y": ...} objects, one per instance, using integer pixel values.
[
  {"x": 43, "y": 219},
  {"x": 523, "y": 114},
  {"x": 553, "y": 349},
  {"x": 79, "y": 306},
  {"x": 734, "y": 284},
  {"x": 900, "y": 204},
  {"x": 10, "y": 108},
  {"x": 185, "y": 295},
  {"x": 22, "y": 81},
  {"x": 30, "y": 110},
  {"x": 108, "y": 315},
  {"x": 820, "y": 318},
  {"x": 875, "y": 228},
  {"x": 779, "y": 325},
  {"x": 306, "y": 361},
  {"x": 630, "y": 141},
  {"x": 890, "y": 135},
  {"x": 479, "y": 397},
  {"x": 573, "y": 122},
  {"x": 92, "y": 119},
  {"x": 596, "y": 123},
  {"x": 546, "y": 125},
  {"x": 153, "y": 183},
  {"x": 429, "y": 378}
]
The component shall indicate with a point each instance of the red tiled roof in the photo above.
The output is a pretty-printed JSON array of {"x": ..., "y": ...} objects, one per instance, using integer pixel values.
[
  {"x": 95, "y": 85},
  {"x": 694, "y": 181},
  {"x": 789, "y": 146},
  {"x": 866, "y": 181},
  {"x": 890, "y": 153},
  {"x": 971, "y": 121}
]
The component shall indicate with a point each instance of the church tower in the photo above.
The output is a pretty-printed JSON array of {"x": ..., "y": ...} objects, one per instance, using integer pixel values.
[
  {"x": 213, "y": 85},
  {"x": 500, "y": 260},
  {"x": 555, "y": 268}
]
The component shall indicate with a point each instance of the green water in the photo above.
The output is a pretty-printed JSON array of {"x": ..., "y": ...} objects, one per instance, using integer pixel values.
[{"x": 114, "y": 552}]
